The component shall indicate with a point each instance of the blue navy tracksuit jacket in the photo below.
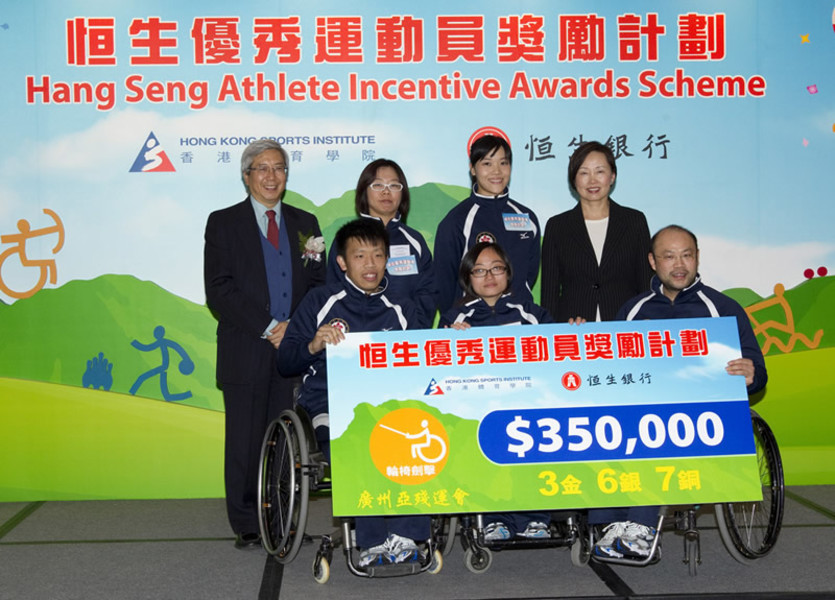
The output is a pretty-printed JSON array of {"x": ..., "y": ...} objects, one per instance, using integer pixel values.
[
  {"x": 410, "y": 271},
  {"x": 509, "y": 310},
  {"x": 698, "y": 300},
  {"x": 349, "y": 308},
  {"x": 481, "y": 218}
]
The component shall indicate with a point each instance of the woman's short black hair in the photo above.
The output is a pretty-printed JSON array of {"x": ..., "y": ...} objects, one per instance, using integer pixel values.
[
  {"x": 368, "y": 175},
  {"x": 579, "y": 157},
  {"x": 486, "y": 146},
  {"x": 469, "y": 261}
]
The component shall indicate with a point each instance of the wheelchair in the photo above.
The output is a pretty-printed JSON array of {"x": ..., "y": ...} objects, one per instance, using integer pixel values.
[
  {"x": 567, "y": 529},
  {"x": 748, "y": 530},
  {"x": 291, "y": 467}
]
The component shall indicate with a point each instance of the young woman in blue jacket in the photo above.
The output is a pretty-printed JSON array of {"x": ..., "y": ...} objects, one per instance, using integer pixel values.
[{"x": 486, "y": 275}]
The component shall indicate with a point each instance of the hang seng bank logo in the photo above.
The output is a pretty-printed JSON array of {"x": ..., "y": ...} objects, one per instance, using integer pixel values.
[{"x": 152, "y": 158}]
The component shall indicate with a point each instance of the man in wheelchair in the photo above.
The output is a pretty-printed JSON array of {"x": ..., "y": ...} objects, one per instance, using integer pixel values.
[
  {"x": 356, "y": 303},
  {"x": 676, "y": 292}
]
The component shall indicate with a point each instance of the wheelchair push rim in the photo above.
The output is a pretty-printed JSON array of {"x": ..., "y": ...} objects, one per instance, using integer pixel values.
[
  {"x": 283, "y": 487},
  {"x": 749, "y": 530}
]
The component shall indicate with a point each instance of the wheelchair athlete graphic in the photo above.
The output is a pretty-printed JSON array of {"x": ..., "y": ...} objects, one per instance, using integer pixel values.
[
  {"x": 48, "y": 270},
  {"x": 417, "y": 449}
]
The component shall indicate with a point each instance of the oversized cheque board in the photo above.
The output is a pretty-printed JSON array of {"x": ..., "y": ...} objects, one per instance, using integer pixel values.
[{"x": 539, "y": 417}]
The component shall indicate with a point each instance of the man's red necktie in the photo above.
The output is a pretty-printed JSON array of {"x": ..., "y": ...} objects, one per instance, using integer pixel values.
[{"x": 272, "y": 229}]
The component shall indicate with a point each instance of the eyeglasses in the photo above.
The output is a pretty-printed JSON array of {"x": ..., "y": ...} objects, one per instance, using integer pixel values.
[
  {"x": 263, "y": 170},
  {"x": 394, "y": 186},
  {"x": 496, "y": 270},
  {"x": 669, "y": 257}
]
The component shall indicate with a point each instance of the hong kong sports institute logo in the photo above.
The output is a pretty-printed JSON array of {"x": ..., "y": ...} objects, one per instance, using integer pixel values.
[
  {"x": 433, "y": 389},
  {"x": 152, "y": 158}
]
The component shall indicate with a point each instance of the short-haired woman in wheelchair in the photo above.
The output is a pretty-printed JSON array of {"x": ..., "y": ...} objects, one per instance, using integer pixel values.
[{"x": 485, "y": 275}]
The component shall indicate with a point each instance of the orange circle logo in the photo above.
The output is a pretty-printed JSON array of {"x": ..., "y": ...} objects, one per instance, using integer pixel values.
[
  {"x": 409, "y": 446},
  {"x": 482, "y": 131}
]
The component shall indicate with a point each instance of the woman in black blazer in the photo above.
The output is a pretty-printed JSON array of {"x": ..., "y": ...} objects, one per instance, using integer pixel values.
[{"x": 594, "y": 256}]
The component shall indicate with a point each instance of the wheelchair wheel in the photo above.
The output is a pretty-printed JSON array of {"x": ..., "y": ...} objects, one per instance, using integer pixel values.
[
  {"x": 581, "y": 551},
  {"x": 437, "y": 563},
  {"x": 749, "y": 530},
  {"x": 478, "y": 560},
  {"x": 692, "y": 554},
  {"x": 321, "y": 569},
  {"x": 283, "y": 487},
  {"x": 582, "y": 544}
]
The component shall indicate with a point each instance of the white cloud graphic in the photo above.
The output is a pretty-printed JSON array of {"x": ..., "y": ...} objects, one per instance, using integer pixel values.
[
  {"x": 726, "y": 263},
  {"x": 711, "y": 366}
]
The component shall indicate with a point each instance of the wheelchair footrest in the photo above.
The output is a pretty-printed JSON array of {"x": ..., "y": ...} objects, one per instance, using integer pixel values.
[{"x": 394, "y": 569}]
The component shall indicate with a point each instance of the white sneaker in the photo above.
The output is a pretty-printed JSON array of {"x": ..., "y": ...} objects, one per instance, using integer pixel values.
[
  {"x": 536, "y": 529},
  {"x": 495, "y": 532},
  {"x": 402, "y": 549},
  {"x": 375, "y": 556},
  {"x": 636, "y": 540},
  {"x": 605, "y": 546}
]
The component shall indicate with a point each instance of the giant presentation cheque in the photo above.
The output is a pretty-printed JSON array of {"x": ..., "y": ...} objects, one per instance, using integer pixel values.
[{"x": 539, "y": 417}]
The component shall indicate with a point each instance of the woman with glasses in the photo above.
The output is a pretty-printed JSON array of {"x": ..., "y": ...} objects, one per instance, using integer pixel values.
[
  {"x": 383, "y": 194},
  {"x": 486, "y": 276}
]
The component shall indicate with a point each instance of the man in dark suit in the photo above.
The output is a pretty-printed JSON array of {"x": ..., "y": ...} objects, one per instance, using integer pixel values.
[{"x": 260, "y": 259}]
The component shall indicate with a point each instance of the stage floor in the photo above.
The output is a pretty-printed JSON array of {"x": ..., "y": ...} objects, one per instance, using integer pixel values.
[{"x": 183, "y": 549}]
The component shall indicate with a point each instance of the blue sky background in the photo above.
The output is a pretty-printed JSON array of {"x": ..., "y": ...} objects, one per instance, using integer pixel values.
[{"x": 739, "y": 173}]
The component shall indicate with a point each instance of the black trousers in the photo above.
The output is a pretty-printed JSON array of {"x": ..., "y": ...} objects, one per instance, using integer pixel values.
[{"x": 250, "y": 408}]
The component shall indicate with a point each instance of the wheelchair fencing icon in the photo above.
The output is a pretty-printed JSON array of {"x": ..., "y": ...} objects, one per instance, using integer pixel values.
[
  {"x": 409, "y": 446},
  {"x": 417, "y": 449}
]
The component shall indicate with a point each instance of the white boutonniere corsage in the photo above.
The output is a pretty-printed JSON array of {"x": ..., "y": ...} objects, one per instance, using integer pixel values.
[{"x": 311, "y": 247}]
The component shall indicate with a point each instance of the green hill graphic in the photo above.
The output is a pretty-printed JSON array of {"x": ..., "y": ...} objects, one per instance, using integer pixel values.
[
  {"x": 69, "y": 443},
  {"x": 51, "y": 336}
]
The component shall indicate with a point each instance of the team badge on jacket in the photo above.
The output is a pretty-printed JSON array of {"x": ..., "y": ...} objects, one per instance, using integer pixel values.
[
  {"x": 485, "y": 236},
  {"x": 340, "y": 324}
]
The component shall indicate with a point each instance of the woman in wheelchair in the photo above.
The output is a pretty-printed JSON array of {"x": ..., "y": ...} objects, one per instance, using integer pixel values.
[{"x": 485, "y": 275}]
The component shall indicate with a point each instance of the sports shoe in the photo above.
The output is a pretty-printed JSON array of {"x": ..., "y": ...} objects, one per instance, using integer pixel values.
[
  {"x": 375, "y": 556},
  {"x": 402, "y": 549},
  {"x": 536, "y": 529},
  {"x": 495, "y": 532},
  {"x": 605, "y": 546},
  {"x": 635, "y": 540}
]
